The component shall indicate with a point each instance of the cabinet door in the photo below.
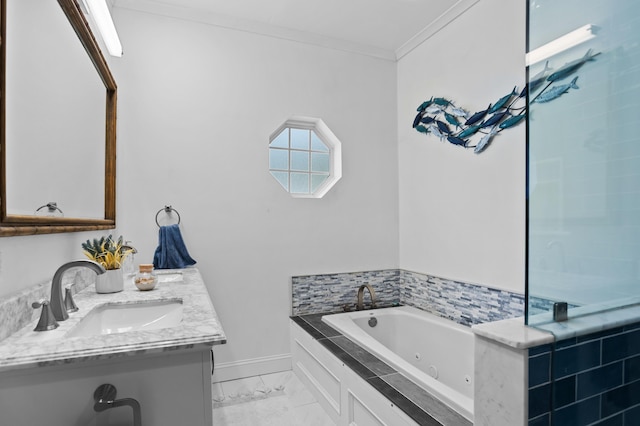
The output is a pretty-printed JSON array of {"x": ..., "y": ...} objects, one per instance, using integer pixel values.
[
  {"x": 318, "y": 369},
  {"x": 171, "y": 389},
  {"x": 365, "y": 406}
]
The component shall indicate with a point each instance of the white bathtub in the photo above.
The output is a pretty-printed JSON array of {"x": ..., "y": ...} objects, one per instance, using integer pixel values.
[{"x": 435, "y": 353}]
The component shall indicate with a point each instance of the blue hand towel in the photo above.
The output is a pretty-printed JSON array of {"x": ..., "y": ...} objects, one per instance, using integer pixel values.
[{"x": 171, "y": 252}]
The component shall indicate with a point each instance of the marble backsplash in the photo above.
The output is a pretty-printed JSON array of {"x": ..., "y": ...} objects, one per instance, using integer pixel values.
[
  {"x": 16, "y": 310},
  {"x": 461, "y": 302}
]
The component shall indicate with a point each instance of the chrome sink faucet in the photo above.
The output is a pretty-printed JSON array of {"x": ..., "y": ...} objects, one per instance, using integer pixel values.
[
  {"x": 372, "y": 294},
  {"x": 57, "y": 301}
]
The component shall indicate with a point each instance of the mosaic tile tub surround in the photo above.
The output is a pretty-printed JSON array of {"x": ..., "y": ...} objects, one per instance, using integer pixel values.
[{"x": 461, "y": 302}]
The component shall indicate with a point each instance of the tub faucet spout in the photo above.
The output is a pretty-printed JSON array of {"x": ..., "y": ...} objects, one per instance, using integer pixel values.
[
  {"x": 372, "y": 294},
  {"x": 57, "y": 302}
]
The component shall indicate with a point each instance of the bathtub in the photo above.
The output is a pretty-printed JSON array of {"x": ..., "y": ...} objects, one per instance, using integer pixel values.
[{"x": 435, "y": 353}]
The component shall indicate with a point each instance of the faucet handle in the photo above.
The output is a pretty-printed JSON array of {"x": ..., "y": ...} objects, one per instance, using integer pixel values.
[
  {"x": 47, "y": 320},
  {"x": 69, "y": 304}
]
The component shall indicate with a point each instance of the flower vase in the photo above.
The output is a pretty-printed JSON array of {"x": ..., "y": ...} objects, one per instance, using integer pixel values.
[{"x": 111, "y": 281}]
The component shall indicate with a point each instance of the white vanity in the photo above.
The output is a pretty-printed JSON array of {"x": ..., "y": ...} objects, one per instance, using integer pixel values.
[{"x": 50, "y": 378}]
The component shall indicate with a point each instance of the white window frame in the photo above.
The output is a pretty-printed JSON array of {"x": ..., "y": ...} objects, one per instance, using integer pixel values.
[{"x": 328, "y": 138}]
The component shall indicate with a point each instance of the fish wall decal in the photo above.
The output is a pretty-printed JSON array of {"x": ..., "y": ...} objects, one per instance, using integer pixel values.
[{"x": 505, "y": 113}]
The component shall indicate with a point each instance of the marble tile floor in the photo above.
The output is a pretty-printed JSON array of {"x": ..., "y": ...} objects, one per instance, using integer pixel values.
[{"x": 278, "y": 399}]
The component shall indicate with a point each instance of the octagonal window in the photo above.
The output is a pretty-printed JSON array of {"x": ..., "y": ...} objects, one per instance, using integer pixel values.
[{"x": 305, "y": 157}]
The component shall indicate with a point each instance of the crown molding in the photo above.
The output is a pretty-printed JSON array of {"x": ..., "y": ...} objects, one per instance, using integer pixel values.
[
  {"x": 229, "y": 22},
  {"x": 434, "y": 27},
  {"x": 254, "y": 27}
]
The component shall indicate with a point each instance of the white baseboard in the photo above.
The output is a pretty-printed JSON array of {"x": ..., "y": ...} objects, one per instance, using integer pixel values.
[{"x": 225, "y": 371}]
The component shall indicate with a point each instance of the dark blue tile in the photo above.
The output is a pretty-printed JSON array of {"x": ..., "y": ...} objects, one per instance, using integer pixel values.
[
  {"x": 574, "y": 359},
  {"x": 540, "y": 349},
  {"x": 579, "y": 414},
  {"x": 540, "y": 421},
  {"x": 566, "y": 343},
  {"x": 632, "y": 370},
  {"x": 600, "y": 334},
  {"x": 564, "y": 392},
  {"x": 619, "y": 399},
  {"x": 539, "y": 400},
  {"x": 599, "y": 380},
  {"x": 539, "y": 369},
  {"x": 617, "y": 420},
  {"x": 633, "y": 326},
  {"x": 621, "y": 346},
  {"x": 632, "y": 417}
]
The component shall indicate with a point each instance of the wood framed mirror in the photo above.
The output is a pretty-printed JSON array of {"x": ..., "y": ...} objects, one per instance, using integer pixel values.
[{"x": 42, "y": 164}]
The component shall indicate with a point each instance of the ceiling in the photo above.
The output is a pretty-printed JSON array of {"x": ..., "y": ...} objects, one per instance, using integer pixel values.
[{"x": 386, "y": 29}]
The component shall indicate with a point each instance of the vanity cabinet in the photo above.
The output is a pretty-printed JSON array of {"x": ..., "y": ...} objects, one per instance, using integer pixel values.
[
  {"x": 173, "y": 388},
  {"x": 49, "y": 377}
]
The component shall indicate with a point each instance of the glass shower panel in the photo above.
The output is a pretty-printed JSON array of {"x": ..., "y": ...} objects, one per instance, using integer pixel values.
[{"x": 583, "y": 210}]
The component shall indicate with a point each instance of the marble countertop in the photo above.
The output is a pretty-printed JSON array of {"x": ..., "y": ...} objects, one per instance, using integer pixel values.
[{"x": 199, "y": 326}]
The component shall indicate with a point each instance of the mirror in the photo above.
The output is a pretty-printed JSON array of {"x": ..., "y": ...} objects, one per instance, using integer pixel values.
[{"x": 58, "y": 121}]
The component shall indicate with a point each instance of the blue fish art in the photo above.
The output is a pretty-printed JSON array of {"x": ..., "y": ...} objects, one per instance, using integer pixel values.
[
  {"x": 494, "y": 119},
  {"x": 524, "y": 91},
  {"x": 477, "y": 116},
  {"x": 570, "y": 67},
  {"x": 502, "y": 101},
  {"x": 424, "y": 105},
  {"x": 484, "y": 142},
  {"x": 443, "y": 127},
  {"x": 457, "y": 141},
  {"x": 469, "y": 131},
  {"x": 433, "y": 109},
  {"x": 441, "y": 101},
  {"x": 427, "y": 120},
  {"x": 451, "y": 119},
  {"x": 416, "y": 120},
  {"x": 512, "y": 121},
  {"x": 422, "y": 129},
  {"x": 536, "y": 81},
  {"x": 435, "y": 131},
  {"x": 459, "y": 112},
  {"x": 555, "y": 92}
]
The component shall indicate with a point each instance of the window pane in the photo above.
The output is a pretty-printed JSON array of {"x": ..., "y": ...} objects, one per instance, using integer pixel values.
[
  {"x": 317, "y": 180},
  {"x": 300, "y": 139},
  {"x": 299, "y": 183},
  {"x": 300, "y": 161},
  {"x": 319, "y": 162},
  {"x": 281, "y": 141},
  {"x": 317, "y": 144},
  {"x": 283, "y": 178},
  {"x": 278, "y": 159}
]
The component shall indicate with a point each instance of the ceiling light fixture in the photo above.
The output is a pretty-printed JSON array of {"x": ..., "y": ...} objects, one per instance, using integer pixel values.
[
  {"x": 560, "y": 44},
  {"x": 99, "y": 11}
]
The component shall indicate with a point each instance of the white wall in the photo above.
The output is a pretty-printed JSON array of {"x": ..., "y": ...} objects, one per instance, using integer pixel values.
[
  {"x": 462, "y": 215},
  {"x": 197, "y": 104}
]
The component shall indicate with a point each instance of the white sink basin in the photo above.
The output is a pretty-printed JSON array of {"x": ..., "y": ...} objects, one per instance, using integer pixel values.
[{"x": 124, "y": 317}]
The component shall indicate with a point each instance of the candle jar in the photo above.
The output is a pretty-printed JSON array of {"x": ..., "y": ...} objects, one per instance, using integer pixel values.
[{"x": 145, "y": 278}]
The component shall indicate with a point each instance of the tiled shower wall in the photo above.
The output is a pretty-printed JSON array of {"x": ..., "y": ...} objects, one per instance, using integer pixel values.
[
  {"x": 458, "y": 301},
  {"x": 589, "y": 380}
]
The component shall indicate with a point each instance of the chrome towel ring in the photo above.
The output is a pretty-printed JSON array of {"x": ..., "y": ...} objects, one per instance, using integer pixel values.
[{"x": 167, "y": 210}]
